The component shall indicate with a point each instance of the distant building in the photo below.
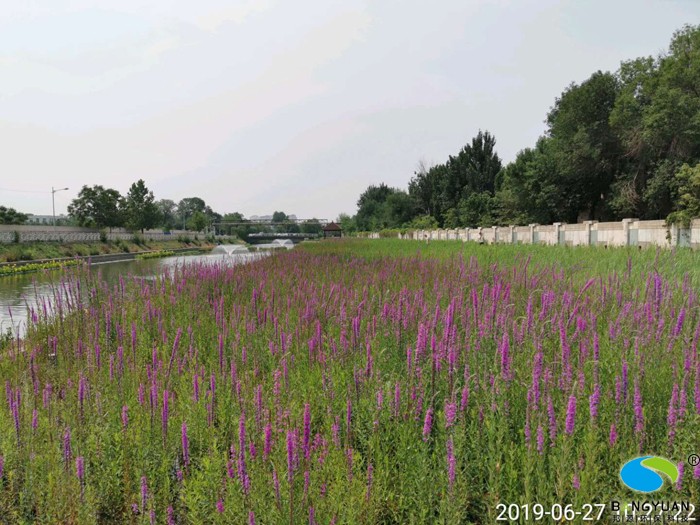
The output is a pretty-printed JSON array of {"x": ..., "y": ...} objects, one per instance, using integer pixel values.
[
  {"x": 332, "y": 230},
  {"x": 46, "y": 219}
]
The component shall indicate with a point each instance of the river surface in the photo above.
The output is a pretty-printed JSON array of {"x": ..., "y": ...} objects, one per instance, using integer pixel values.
[{"x": 19, "y": 292}]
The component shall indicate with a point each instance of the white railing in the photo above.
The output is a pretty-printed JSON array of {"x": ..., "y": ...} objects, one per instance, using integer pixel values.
[{"x": 628, "y": 232}]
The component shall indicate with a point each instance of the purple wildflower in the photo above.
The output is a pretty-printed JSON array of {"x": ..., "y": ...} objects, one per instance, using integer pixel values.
[
  {"x": 593, "y": 401},
  {"x": 144, "y": 493},
  {"x": 165, "y": 413},
  {"x": 185, "y": 445},
  {"x": 80, "y": 468},
  {"x": 679, "y": 481},
  {"x": 451, "y": 463},
  {"x": 428, "y": 424},
  {"x": 450, "y": 413},
  {"x": 465, "y": 398},
  {"x": 552, "y": 422},
  {"x": 67, "y": 450},
  {"x": 571, "y": 415},
  {"x": 307, "y": 430},
  {"x": 291, "y": 449},
  {"x": 267, "y": 445}
]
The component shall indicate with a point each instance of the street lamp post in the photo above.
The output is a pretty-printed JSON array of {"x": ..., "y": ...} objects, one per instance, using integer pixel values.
[{"x": 53, "y": 203}]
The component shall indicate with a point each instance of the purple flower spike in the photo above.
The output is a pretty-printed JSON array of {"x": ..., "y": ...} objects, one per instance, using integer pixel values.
[
  {"x": 144, "y": 493},
  {"x": 185, "y": 445},
  {"x": 451, "y": 462},
  {"x": 428, "y": 424},
  {"x": 307, "y": 430},
  {"x": 67, "y": 450},
  {"x": 80, "y": 468},
  {"x": 571, "y": 415}
]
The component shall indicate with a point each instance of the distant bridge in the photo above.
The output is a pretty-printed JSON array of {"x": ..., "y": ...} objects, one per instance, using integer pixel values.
[
  {"x": 263, "y": 236},
  {"x": 298, "y": 222},
  {"x": 271, "y": 236}
]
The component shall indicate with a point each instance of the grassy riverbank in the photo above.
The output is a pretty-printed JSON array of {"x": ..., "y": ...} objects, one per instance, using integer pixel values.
[{"x": 53, "y": 250}]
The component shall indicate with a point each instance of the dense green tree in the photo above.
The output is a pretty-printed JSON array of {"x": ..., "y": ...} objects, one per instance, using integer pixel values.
[
  {"x": 585, "y": 148},
  {"x": 617, "y": 145},
  {"x": 381, "y": 207},
  {"x": 11, "y": 216},
  {"x": 688, "y": 183},
  {"x": 187, "y": 207},
  {"x": 311, "y": 226},
  {"x": 140, "y": 210},
  {"x": 168, "y": 213},
  {"x": 424, "y": 189},
  {"x": 198, "y": 221},
  {"x": 531, "y": 188},
  {"x": 657, "y": 117},
  {"x": 443, "y": 187},
  {"x": 279, "y": 216},
  {"x": 98, "y": 207},
  {"x": 347, "y": 223},
  {"x": 239, "y": 230},
  {"x": 423, "y": 222}
]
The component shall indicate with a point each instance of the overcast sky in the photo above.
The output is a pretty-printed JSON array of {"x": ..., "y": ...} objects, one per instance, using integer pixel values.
[{"x": 295, "y": 106}]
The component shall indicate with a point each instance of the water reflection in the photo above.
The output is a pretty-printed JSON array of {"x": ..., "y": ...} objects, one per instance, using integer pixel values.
[{"x": 20, "y": 293}]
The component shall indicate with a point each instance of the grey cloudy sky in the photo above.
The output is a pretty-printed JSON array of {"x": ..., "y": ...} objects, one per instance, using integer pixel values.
[{"x": 298, "y": 106}]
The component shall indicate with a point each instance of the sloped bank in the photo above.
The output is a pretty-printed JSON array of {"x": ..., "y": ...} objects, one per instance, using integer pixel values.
[{"x": 12, "y": 268}]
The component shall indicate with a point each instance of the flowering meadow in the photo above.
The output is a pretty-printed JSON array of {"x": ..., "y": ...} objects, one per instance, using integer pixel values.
[{"x": 353, "y": 381}]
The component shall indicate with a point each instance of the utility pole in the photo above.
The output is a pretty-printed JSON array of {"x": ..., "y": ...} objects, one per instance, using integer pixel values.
[{"x": 53, "y": 203}]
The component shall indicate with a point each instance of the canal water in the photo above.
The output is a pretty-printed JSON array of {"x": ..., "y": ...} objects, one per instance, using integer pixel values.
[{"x": 20, "y": 292}]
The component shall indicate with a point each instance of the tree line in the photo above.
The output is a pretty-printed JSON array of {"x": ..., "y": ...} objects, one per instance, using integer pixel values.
[
  {"x": 622, "y": 144},
  {"x": 106, "y": 208}
]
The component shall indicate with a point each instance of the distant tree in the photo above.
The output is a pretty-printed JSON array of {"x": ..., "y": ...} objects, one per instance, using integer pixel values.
[
  {"x": 688, "y": 179},
  {"x": 532, "y": 188},
  {"x": 475, "y": 169},
  {"x": 423, "y": 222},
  {"x": 198, "y": 222},
  {"x": 279, "y": 216},
  {"x": 212, "y": 216},
  {"x": 239, "y": 230},
  {"x": 140, "y": 210},
  {"x": 187, "y": 207},
  {"x": 312, "y": 226},
  {"x": 585, "y": 147},
  {"x": 11, "y": 216},
  {"x": 423, "y": 187},
  {"x": 98, "y": 207},
  {"x": 168, "y": 213},
  {"x": 347, "y": 223}
]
